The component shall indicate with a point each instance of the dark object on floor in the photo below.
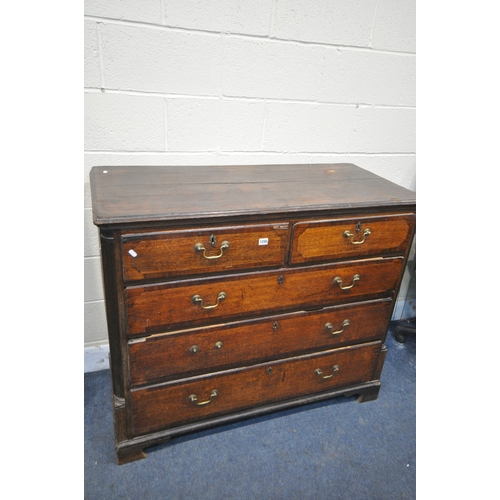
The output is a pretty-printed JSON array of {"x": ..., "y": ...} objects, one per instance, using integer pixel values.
[{"x": 405, "y": 329}]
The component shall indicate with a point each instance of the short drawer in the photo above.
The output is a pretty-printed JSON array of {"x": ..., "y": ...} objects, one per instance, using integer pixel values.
[
  {"x": 214, "y": 348},
  {"x": 172, "y": 253},
  {"x": 156, "y": 308},
  {"x": 196, "y": 399},
  {"x": 351, "y": 237}
]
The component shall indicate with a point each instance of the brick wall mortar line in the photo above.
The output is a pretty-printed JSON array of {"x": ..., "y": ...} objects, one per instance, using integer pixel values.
[
  {"x": 353, "y": 129},
  {"x": 153, "y": 94},
  {"x": 244, "y": 98},
  {"x": 406, "y": 76},
  {"x": 261, "y": 152},
  {"x": 264, "y": 123},
  {"x": 373, "y": 24},
  {"x": 140, "y": 152},
  {"x": 95, "y": 301},
  {"x": 221, "y": 81},
  {"x": 286, "y": 154},
  {"x": 163, "y": 14},
  {"x": 273, "y": 19},
  {"x": 165, "y": 27},
  {"x": 165, "y": 122},
  {"x": 101, "y": 59},
  {"x": 255, "y": 153}
]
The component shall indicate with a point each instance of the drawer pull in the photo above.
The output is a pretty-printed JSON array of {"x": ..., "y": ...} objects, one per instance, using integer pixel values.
[
  {"x": 194, "y": 349},
  {"x": 328, "y": 326},
  {"x": 200, "y": 248},
  {"x": 194, "y": 399},
  {"x": 348, "y": 234},
  {"x": 320, "y": 373},
  {"x": 197, "y": 299},
  {"x": 338, "y": 281},
  {"x": 218, "y": 345}
]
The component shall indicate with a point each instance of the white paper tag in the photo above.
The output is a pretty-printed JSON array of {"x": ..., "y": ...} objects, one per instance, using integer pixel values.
[
  {"x": 131, "y": 252},
  {"x": 263, "y": 241}
]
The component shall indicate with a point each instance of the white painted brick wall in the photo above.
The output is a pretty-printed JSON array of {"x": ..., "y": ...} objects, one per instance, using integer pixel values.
[
  {"x": 394, "y": 28},
  {"x": 371, "y": 130},
  {"x": 196, "y": 82},
  {"x": 308, "y": 127},
  {"x": 123, "y": 122},
  {"x": 147, "y": 11},
  {"x": 338, "y": 22},
  {"x": 150, "y": 59},
  {"x": 228, "y": 16}
]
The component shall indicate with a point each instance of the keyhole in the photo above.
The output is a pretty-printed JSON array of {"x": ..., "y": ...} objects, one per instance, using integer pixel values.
[
  {"x": 358, "y": 227},
  {"x": 212, "y": 239}
]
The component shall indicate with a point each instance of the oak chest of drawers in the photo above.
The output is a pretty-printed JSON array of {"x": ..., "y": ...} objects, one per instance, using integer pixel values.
[{"x": 232, "y": 291}]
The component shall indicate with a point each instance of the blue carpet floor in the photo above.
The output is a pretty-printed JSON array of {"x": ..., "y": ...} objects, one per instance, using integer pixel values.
[{"x": 337, "y": 449}]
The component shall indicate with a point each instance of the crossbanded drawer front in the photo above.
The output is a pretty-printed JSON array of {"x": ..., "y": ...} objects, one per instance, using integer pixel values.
[
  {"x": 153, "y": 308},
  {"x": 352, "y": 237},
  {"x": 172, "y": 253},
  {"x": 169, "y": 405},
  {"x": 214, "y": 348}
]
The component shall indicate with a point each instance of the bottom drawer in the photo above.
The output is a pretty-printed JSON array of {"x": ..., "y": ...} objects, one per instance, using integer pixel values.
[{"x": 169, "y": 405}]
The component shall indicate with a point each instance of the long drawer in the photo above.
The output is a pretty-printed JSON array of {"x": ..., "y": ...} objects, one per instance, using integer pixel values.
[
  {"x": 351, "y": 237},
  {"x": 153, "y": 308},
  {"x": 180, "y": 252},
  {"x": 213, "y": 348},
  {"x": 173, "y": 404}
]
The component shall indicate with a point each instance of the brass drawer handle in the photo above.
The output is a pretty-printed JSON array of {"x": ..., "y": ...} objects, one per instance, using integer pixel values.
[
  {"x": 366, "y": 232},
  {"x": 335, "y": 368},
  {"x": 200, "y": 248},
  {"x": 197, "y": 299},
  {"x": 328, "y": 326},
  {"x": 194, "y": 399},
  {"x": 338, "y": 281}
]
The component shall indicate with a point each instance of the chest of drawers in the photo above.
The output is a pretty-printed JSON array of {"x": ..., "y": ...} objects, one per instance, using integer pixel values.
[{"x": 232, "y": 291}]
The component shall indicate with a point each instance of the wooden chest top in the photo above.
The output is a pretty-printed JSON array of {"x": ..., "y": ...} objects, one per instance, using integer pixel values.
[{"x": 128, "y": 195}]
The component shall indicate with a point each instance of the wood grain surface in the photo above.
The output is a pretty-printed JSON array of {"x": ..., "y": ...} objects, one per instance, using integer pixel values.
[
  {"x": 159, "y": 407},
  {"x": 217, "y": 347},
  {"x": 152, "y": 308},
  {"x": 147, "y": 193}
]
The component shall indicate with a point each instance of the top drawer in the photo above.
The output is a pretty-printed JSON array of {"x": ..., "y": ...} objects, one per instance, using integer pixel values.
[
  {"x": 193, "y": 251},
  {"x": 351, "y": 237}
]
